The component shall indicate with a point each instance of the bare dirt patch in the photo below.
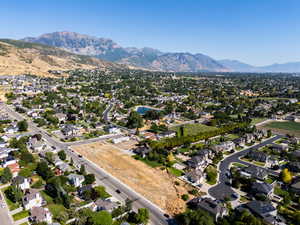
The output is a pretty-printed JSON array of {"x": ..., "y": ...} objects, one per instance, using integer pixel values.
[{"x": 153, "y": 183}]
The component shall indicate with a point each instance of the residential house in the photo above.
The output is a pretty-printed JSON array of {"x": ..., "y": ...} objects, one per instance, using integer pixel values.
[
  {"x": 240, "y": 142},
  {"x": 264, "y": 210},
  {"x": 21, "y": 182},
  {"x": 213, "y": 207},
  {"x": 40, "y": 214},
  {"x": 279, "y": 148},
  {"x": 114, "y": 130},
  {"x": 225, "y": 146},
  {"x": 32, "y": 198},
  {"x": 262, "y": 188},
  {"x": 14, "y": 168},
  {"x": 64, "y": 167},
  {"x": 61, "y": 117},
  {"x": 120, "y": 139},
  {"x": 198, "y": 162},
  {"x": 104, "y": 204},
  {"x": 195, "y": 176},
  {"x": 295, "y": 186},
  {"x": 254, "y": 172},
  {"x": 35, "y": 144},
  {"x": 85, "y": 188},
  {"x": 249, "y": 138},
  {"x": 142, "y": 151},
  {"x": 167, "y": 134},
  {"x": 76, "y": 180},
  {"x": 258, "y": 156},
  {"x": 294, "y": 166},
  {"x": 69, "y": 130}
]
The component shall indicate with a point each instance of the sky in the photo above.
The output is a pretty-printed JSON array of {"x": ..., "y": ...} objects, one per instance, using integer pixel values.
[{"x": 258, "y": 32}]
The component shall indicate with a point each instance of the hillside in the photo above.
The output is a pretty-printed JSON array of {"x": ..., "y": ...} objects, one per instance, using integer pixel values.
[
  {"x": 148, "y": 58},
  {"x": 19, "y": 57}
]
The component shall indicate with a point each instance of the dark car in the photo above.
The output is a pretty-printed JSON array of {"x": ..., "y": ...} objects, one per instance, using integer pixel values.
[{"x": 118, "y": 191}]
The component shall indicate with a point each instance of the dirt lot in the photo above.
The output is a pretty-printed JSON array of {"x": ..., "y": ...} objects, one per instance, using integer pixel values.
[{"x": 155, "y": 184}]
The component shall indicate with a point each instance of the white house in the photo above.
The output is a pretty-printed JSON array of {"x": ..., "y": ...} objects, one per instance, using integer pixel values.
[
  {"x": 32, "y": 198},
  {"x": 21, "y": 182},
  {"x": 76, "y": 179},
  {"x": 114, "y": 130},
  {"x": 120, "y": 139},
  {"x": 39, "y": 214}
]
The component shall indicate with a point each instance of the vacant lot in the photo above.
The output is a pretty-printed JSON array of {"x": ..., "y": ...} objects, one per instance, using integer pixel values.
[
  {"x": 155, "y": 184},
  {"x": 291, "y": 128},
  {"x": 196, "y": 128}
]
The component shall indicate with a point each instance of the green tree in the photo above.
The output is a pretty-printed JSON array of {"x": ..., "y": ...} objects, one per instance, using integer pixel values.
[
  {"x": 134, "y": 120},
  {"x": 89, "y": 178},
  {"x": 6, "y": 175},
  {"x": 14, "y": 193},
  {"x": 62, "y": 155},
  {"x": 195, "y": 217},
  {"x": 44, "y": 171},
  {"x": 82, "y": 169},
  {"x": 22, "y": 125}
]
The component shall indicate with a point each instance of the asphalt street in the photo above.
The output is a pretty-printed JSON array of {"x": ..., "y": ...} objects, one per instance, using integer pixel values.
[{"x": 222, "y": 190}]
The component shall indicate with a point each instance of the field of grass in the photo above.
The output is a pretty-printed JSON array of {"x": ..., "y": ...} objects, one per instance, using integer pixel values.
[
  {"x": 257, "y": 120},
  {"x": 20, "y": 215},
  {"x": 46, "y": 197},
  {"x": 56, "y": 209},
  {"x": 284, "y": 127},
  {"x": 193, "y": 129},
  {"x": 11, "y": 205},
  {"x": 211, "y": 173},
  {"x": 175, "y": 171},
  {"x": 240, "y": 165}
]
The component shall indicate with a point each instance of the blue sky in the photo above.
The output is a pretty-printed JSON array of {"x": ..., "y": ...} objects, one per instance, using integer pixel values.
[{"x": 258, "y": 32}]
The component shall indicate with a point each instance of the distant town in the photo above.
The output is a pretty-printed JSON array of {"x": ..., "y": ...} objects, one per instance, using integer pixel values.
[{"x": 120, "y": 147}]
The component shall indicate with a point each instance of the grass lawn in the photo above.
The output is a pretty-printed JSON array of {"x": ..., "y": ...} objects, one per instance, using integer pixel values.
[
  {"x": 150, "y": 163},
  {"x": 240, "y": 165},
  {"x": 231, "y": 137},
  {"x": 257, "y": 120},
  {"x": 20, "y": 215},
  {"x": 270, "y": 179},
  {"x": 193, "y": 129},
  {"x": 175, "y": 171},
  {"x": 254, "y": 162},
  {"x": 211, "y": 175},
  {"x": 24, "y": 223},
  {"x": 285, "y": 127},
  {"x": 11, "y": 205},
  {"x": 46, "y": 197},
  {"x": 56, "y": 209}
]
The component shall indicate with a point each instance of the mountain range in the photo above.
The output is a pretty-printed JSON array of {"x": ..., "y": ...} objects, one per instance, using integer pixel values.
[
  {"x": 149, "y": 58},
  {"x": 19, "y": 57}
]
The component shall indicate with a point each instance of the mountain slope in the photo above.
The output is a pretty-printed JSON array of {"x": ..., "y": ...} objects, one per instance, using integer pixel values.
[
  {"x": 290, "y": 67},
  {"x": 19, "y": 57},
  {"x": 238, "y": 66},
  {"x": 146, "y": 57}
]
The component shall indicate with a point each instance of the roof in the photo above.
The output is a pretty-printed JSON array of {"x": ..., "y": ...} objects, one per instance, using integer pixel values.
[
  {"x": 208, "y": 204},
  {"x": 260, "y": 208},
  {"x": 39, "y": 213},
  {"x": 263, "y": 187},
  {"x": 30, "y": 194},
  {"x": 18, "y": 180},
  {"x": 256, "y": 172},
  {"x": 105, "y": 204}
]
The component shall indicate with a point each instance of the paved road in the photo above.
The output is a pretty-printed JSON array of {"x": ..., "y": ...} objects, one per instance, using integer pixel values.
[
  {"x": 5, "y": 219},
  {"x": 106, "y": 112},
  {"x": 156, "y": 214},
  {"x": 223, "y": 190}
]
